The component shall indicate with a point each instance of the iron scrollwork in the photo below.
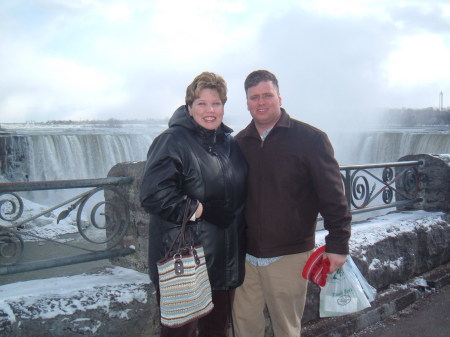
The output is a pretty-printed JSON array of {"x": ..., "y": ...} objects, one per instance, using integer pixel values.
[
  {"x": 364, "y": 187},
  {"x": 11, "y": 248},
  {"x": 11, "y": 244},
  {"x": 388, "y": 193},
  {"x": 11, "y": 207},
  {"x": 100, "y": 222},
  {"x": 107, "y": 222},
  {"x": 411, "y": 181},
  {"x": 360, "y": 189}
]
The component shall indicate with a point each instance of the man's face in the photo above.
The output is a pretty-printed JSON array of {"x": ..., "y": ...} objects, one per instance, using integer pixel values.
[{"x": 263, "y": 102}]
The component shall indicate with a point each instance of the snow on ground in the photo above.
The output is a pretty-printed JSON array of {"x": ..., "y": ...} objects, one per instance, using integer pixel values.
[
  {"x": 390, "y": 225},
  {"x": 45, "y": 226},
  {"x": 48, "y": 298},
  {"x": 392, "y": 264}
]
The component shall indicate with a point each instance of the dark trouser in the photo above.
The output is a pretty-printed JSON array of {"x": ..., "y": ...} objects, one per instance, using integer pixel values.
[{"x": 215, "y": 324}]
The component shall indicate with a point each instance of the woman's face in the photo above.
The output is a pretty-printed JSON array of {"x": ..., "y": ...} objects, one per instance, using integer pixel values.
[{"x": 207, "y": 110}]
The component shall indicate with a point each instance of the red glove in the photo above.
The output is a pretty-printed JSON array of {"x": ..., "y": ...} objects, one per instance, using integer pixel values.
[{"x": 316, "y": 268}]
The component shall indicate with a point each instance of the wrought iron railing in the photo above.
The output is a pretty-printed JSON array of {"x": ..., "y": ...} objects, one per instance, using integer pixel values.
[
  {"x": 101, "y": 224},
  {"x": 373, "y": 187},
  {"x": 367, "y": 188}
]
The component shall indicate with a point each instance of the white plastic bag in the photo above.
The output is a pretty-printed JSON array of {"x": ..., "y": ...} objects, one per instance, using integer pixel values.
[
  {"x": 346, "y": 291},
  {"x": 369, "y": 291}
]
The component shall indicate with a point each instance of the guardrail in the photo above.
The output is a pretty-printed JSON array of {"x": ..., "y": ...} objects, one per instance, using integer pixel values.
[
  {"x": 367, "y": 188},
  {"x": 101, "y": 224},
  {"x": 371, "y": 184}
]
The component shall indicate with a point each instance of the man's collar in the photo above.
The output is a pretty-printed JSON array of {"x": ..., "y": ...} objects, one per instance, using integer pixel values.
[{"x": 283, "y": 121}]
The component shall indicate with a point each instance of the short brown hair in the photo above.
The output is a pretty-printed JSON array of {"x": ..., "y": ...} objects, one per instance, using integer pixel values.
[
  {"x": 206, "y": 80},
  {"x": 257, "y": 76}
]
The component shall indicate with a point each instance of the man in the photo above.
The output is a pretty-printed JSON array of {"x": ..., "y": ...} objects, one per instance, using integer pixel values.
[{"x": 293, "y": 176}]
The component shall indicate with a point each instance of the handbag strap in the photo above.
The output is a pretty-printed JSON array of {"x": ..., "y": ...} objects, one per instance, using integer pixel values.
[{"x": 181, "y": 233}]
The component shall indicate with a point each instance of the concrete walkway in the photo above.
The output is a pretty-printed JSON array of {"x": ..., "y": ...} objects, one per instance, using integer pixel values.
[
  {"x": 427, "y": 317},
  {"x": 405, "y": 310}
]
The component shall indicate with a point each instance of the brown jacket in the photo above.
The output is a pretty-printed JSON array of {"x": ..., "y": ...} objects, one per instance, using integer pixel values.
[{"x": 293, "y": 176}]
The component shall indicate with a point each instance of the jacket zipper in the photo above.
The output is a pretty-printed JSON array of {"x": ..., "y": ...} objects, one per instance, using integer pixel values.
[
  {"x": 226, "y": 196},
  {"x": 210, "y": 149}
]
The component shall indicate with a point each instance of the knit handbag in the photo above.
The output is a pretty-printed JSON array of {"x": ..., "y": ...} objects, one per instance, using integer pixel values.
[{"x": 185, "y": 291}]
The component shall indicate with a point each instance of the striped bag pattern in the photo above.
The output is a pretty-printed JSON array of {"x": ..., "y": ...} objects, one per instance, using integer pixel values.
[{"x": 184, "y": 287}]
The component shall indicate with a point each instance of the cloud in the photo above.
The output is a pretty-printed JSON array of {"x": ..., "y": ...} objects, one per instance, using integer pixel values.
[
  {"x": 419, "y": 59},
  {"x": 419, "y": 17},
  {"x": 339, "y": 71},
  {"x": 36, "y": 86},
  {"x": 329, "y": 67},
  {"x": 133, "y": 59}
]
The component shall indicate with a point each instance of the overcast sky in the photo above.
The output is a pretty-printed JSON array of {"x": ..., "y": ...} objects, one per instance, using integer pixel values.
[{"x": 335, "y": 60}]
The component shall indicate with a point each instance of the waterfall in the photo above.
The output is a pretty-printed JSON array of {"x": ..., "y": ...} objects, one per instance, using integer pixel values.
[
  {"x": 51, "y": 154},
  {"x": 45, "y": 154},
  {"x": 56, "y": 157},
  {"x": 33, "y": 154},
  {"x": 388, "y": 145}
]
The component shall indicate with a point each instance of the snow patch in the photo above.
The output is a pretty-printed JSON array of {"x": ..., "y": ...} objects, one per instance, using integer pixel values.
[
  {"x": 389, "y": 225},
  {"x": 6, "y": 310},
  {"x": 45, "y": 226},
  {"x": 376, "y": 264},
  {"x": 48, "y": 298},
  {"x": 81, "y": 325}
]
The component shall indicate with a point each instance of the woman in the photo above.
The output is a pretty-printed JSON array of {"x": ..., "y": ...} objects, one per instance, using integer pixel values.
[{"x": 197, "y": 158}]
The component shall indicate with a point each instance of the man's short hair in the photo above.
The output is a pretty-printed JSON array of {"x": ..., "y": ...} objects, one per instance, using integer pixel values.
[{"x": 257, "y": 76}]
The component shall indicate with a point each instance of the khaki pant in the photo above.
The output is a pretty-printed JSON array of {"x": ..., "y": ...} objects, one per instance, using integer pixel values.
[{"x": 281, "y": 287}]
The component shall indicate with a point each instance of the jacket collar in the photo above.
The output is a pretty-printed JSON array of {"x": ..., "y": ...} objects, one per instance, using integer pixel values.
[
  {"x": 283, "y": 122},
  {"x": 181, "y": 118},
  {"x": 208, "y": 138}
]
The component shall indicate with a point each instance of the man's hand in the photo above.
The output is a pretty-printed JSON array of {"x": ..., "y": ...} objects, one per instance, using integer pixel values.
[{"x": 336, "y": 261}]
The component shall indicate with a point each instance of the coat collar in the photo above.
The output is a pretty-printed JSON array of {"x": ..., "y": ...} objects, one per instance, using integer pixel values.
[
  {"x": 181, "y": 118},
  {"x": 283, "y": 122}
]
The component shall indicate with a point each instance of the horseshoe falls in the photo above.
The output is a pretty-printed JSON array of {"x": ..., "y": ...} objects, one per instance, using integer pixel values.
[
  {"x": 82, "y": 156},
  {"x": 35, "y": 153},
  {"x": 51, "y": 154},
  {"x": 389, "y": 145}
]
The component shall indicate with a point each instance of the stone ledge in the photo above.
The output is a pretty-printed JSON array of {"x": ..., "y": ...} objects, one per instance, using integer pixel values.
[
  {"x": 111, "y": 302},
  {"x": 439, "y": 277}
]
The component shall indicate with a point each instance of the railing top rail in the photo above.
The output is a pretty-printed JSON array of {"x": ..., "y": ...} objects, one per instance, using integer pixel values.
[
  {"x": 379, "y": 165},
  {"x": 62, "y": 184}
]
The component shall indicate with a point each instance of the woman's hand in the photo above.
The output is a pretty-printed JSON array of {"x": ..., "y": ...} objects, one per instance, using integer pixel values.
[
  {"x": 216, "y": 212},
  {"x": 199, "y": 211}
]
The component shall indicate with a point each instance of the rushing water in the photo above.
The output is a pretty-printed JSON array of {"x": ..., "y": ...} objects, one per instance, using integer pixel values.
[
  {"x": 42, "y": 152},
  {"x": 390, "y": 144},
  {"x": 55, "y": 153}
]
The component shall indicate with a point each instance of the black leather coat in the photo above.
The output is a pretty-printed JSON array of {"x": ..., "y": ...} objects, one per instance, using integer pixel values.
[{"x": 188, "y": 161}]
